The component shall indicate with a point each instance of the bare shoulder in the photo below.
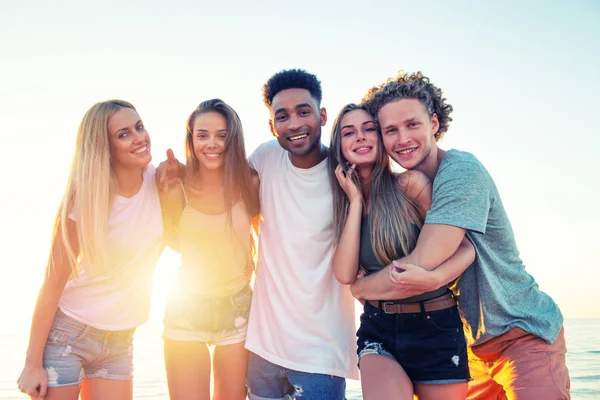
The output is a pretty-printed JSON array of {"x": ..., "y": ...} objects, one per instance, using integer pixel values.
[
  {"x": 412, "y": 182},
  {"x": 255, "y": 178}
]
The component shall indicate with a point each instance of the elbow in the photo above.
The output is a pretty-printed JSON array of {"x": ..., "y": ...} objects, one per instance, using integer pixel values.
[
  {"x": 345, "y": 279},
  {"x": 470, "y": 253}
]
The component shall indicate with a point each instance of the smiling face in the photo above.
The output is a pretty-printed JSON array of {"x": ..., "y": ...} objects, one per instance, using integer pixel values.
[
  {"x": 408, "y": 133},
  {"x": 208, "y": 139},
  {"x": 296, "y": 123},
  {"x": 359, "y": 139},
  {"x": 128, "y": 139}
]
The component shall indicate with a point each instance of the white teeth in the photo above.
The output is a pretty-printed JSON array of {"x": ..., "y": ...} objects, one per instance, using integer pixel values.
[
  {"x": 212, "y": 155},
  {"x": 141, "y": 150},
  {"x": 407, "y": 151},
  {"x": 362, "y": 149},
  {"x": 299, "y": 137}
]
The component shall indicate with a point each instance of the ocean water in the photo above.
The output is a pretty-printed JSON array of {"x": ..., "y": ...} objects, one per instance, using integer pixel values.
[{"x": 583, "y": 360}]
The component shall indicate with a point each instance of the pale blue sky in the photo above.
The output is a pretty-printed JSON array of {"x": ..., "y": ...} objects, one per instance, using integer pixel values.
[{"x": 521, "y": 77}]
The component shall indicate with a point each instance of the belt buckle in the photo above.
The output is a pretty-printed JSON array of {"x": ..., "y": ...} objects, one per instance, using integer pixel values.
[{"x": 384, "y": 308}]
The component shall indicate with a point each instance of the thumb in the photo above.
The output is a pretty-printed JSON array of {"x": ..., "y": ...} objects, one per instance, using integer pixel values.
[
  {"x": 43, "y": 390},
  {"x": 170, "y": 155},
  {"x": 399, "y": 266}
]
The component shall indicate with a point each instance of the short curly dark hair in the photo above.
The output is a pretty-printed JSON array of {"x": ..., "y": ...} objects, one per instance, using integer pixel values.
[
  {"x": 411, "y": 86},
  {"x": 292, "y": 79}
]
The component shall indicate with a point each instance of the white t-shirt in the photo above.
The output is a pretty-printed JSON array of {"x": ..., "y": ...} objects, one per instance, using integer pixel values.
[
  {"x": 120, "y": 298},
  {"x": 301, "y": 318}
]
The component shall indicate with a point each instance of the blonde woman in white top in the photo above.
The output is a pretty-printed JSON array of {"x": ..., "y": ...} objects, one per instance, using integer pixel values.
[
  {"x": 211, "y": 220},
  {"x": 106, "y": 241}
]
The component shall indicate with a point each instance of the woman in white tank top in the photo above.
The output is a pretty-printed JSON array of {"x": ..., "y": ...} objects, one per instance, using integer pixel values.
[
  {"x": 210, "y": 225},
  {"x": 107, "y": 239}
]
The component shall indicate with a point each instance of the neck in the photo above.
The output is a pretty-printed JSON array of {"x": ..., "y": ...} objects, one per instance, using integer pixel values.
[
  {"x": 311, "y": 159},
  {"x": 209, "y": 178},
  {"x": 129, "y": 181},
  {"x": 365, "y": 174},
  {"x": 431, "y": 165}
]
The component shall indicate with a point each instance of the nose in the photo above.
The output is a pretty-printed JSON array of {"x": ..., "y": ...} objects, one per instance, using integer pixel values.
[
  {"x": 140, "y": 136},
  {"x": 294, "y": 123},
  {"x": 360, "y": 136},
  {"x": 403, "y": 137},
  {"x": 211, "y": 141}
]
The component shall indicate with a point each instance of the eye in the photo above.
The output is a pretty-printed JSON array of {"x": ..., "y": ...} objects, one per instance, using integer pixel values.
[
  {"x": 413, "y": 124},
  {"x": 140, "y": 127},
  {"x": 370, "y": 129},
  {"x": 347, "y": 133},
  {"x": 390, "y": 131},
  {"x": 123, "y": 135},
  {"x": 281, "y": 117},
  {"x": 201, "y": 135},
  {"x": 222, "y": 136},
  {"x": 304, "y": 113}
]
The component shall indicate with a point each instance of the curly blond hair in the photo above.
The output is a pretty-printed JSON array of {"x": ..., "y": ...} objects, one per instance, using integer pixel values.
[{"x": 411, "y": 86}]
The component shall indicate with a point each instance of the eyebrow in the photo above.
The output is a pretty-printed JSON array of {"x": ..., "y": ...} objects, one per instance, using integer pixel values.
[
  {"x": 126, "y": 128},
  {"x": 352, "y": 126},
  {"x": 401, "y": 122},
  {"x": 298, "y": 106},
  {"x": 206, "y": 130}
]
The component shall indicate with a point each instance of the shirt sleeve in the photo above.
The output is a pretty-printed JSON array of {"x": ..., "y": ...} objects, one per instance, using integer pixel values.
[
  {"x": 461, "y": 197},
  {"x": 257, "y": 158}
]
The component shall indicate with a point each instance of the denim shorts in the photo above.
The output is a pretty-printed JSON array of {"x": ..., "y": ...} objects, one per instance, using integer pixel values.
[
  {"x": 75, "y": 351},
  {"x": 430, "y": 346},
  {"x": 268, "y": 381},
  {"x": 215, "y": 321}
]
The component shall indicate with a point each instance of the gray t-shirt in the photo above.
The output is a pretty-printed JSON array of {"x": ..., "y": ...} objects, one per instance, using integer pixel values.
[{"x": 495, "y": 293}]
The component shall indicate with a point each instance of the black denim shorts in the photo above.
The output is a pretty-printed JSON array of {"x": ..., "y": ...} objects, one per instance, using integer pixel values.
[{"x": 430, "y": 346}]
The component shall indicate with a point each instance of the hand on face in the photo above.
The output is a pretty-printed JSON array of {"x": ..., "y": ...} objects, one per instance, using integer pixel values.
[{"x": 344, "y": 178}]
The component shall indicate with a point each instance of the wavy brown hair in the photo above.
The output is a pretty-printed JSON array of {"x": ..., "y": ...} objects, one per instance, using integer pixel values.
[
  {"x": 237, "y": 173},
  {"x": 411, "y": 86},
  {"x": 391, "y": 213}
]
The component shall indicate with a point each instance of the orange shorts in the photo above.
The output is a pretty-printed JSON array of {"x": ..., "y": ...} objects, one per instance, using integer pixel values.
[{"x": 519, "y": 366}]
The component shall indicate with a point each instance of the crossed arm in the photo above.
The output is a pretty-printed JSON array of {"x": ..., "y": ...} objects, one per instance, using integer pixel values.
[{"x": 442, "y": 252}]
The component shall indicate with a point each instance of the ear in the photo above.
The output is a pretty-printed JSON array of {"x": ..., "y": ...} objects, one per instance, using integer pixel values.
[
  {"x": 272, "y": 127},
  {"x": 435, "y": 124},
  {"x": 323, "y": 116}
]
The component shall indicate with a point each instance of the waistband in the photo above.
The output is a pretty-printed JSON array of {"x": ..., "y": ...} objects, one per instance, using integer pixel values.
[{"x": 439, "y": 303}]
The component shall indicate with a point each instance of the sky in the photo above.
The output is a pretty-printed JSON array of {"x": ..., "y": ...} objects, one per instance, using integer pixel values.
[{"x": 521, "y": 76}]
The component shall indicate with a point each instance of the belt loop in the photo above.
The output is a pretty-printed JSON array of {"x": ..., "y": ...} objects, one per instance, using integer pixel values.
[{"x": 422, "y": 304}]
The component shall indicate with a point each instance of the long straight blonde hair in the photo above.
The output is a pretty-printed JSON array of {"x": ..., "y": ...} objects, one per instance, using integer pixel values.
[
  {"x": 90, "y": 191},
  {"x": 392, "y": 214}
]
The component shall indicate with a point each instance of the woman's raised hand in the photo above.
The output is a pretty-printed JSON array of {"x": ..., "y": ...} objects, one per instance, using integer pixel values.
[{"x": 347, "y": 183}]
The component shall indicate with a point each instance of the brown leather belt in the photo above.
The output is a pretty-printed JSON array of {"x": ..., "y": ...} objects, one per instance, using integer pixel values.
[{"x": 439, "y": 303}]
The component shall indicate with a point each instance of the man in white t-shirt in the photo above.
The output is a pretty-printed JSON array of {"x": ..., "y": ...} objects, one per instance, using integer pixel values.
[{"x": 301, "y": 328}]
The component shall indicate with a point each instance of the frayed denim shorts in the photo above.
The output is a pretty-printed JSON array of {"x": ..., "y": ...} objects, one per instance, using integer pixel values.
[
  {"x": 75, "y": 351},
  {"x": 214, "y": 321},
  {"x": 430, "y": 346}
]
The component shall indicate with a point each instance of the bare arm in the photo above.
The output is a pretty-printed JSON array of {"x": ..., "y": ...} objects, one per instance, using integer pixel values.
[
  {"x": 172, "y": 203},
  {"x": 345, "y": 256},
  {"x": 33, "y": 380},
  {"x": 440, "y": 248}
]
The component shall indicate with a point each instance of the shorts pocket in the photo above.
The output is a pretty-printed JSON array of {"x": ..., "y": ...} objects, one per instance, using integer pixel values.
[
  {"x": 62, "y": 333},
  {"x": 370, "y": 312},
  {"x": 446, "y": 320},
  {"x": 242, "y": 300}
]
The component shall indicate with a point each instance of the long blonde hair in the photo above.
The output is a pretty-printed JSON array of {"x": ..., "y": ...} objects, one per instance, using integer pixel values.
[
  {"x": 391, "y": 213},
  {"x": 90, "y": 190}
]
